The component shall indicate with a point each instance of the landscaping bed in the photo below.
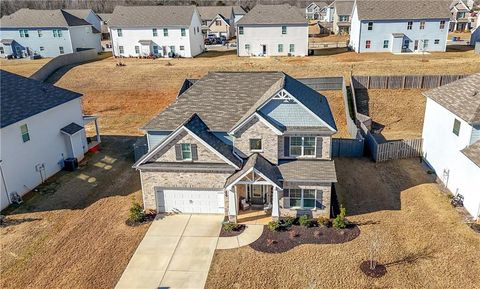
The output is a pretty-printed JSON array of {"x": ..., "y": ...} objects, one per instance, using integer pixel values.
[
  {"x": 234, "y": 232},
  {"x": 284, "y": 240}
]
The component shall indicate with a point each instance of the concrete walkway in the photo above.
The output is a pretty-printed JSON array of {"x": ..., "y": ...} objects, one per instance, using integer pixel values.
[
  {"x": 176, "y": 252},
  {"x": 248, "y": 236}
]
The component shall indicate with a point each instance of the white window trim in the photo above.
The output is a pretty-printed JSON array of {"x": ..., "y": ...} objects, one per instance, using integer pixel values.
[
  {"x": 302, "y": 155},
  {"x": 256, "y": 150},
  {"x": 189, "y": 148}
]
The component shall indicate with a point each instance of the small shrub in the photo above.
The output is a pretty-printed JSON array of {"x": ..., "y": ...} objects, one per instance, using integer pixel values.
[
  {"x": 293, "y": 234},
  {"x": 450, "y": 195},
  {"x": 289, "y": 221},
  {"x": 340, "y": 222},
  {"x": 136, "y": 213},
  {"x": 305, "y": 221},
  {"x": 273, "y": 225},
  {"x": 228, "y": 227},
  {"x": 324, "y": 222}
]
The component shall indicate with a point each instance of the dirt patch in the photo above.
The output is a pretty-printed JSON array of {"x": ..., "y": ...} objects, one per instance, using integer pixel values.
[
  {"x": 400, "y": 202},
  {"x": 233, "y": 233},
  {"x": 75, "y": 237},
  {"x": 397, "y": 113},
  {"x": 378, "y": 271},
  {"x": 285, "y": 240}
]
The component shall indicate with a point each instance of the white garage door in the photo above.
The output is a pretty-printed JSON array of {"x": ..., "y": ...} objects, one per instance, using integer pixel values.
[{"x": 190, "y": 201}]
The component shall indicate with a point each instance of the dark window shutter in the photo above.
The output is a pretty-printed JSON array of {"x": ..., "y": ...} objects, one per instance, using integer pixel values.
[
  {"x": 319, "y": 147},
  {"x": 286, "y": 146},
  {"x": 178, "y": 152},
  {"x": 194, "y": 152}
]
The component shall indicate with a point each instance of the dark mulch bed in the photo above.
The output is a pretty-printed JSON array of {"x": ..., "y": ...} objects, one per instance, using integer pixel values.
[
  {"x": 282, "y": 241},
  {"x": 232, "y": 233},
  {"x": 148, "y": 218},
  {"x": 475, "y": 227},
  {"x": 379, "y": 271}
]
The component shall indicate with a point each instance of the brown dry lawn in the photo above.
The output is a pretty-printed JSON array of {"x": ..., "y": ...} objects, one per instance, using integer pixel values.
[
  {"x": 424, "y": 243},
  {"x": 401, "y": 111},
  {"x": 75, "y": 237},
  {"x": 24, "y": 67},
  {"x": 127, "y": 97}
]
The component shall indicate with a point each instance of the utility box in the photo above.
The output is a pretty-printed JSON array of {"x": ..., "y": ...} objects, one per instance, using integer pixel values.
[{"x": 70, "y": 164}]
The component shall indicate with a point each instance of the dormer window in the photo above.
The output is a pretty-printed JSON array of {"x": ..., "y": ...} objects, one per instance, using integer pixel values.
[{"x": 256, "y": 144}]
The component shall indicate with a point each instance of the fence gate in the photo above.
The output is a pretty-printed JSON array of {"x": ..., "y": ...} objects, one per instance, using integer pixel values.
[{"x": 347, "y": 147}]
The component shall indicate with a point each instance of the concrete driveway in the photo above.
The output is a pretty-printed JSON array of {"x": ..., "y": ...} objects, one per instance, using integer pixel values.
[{"x": 176, "y": 252}]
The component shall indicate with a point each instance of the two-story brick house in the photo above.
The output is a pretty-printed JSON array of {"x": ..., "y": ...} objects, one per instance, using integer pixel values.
[{"x": 259, "y": 141}]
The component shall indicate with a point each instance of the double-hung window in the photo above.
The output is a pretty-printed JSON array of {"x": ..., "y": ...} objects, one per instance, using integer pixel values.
[
  {"x": 442, "y": 24},
  {"x": 425, "y": 43},
  {"x": 119, "y": 32},
  {"x": 301, "y": 198},
  {"x": 183, "y": 31},
  {"x": 409, "y": 25},
  {"x": 39, "y": 32},
  {"x": 422, "y": 25},
  {"x": 24, "y": 33},
  {"x": 292, "y": 48},
  {"x": 186, "y": 151},
  {"x": 165, "y": 32},
  {"x": 137, "y": 49},
  {"x": 368, "y": 44},
  {"x": 154, "y": 32},
  {"x": 60, "y": 49},
  {"x": 343, "y": 18},
  {"x": 280, "y": 47},
  {"x": 121, "y": 50},
  {"x": 370, "y": 26},
  {"x": 247, "y": 47},
  {"x": 24, "y": 131},
  {"x": 436, "y": 41},
  {"x": 218, "y": 22},
  {"x": 57, "y": 33},
  {"x": 284, "y": 29},
  {"x": 302, "y": 146},
  {"x": 240, "y": 30},
  {"x": 385, "y": 43}
]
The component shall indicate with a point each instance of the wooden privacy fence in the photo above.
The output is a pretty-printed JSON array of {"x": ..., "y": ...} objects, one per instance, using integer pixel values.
[
  {"x": 402, "y": 81},
  {"x": 323, "y": 83}
]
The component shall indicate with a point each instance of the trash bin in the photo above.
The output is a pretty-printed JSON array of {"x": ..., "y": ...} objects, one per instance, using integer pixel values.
[{"x": 70, "y": 164}]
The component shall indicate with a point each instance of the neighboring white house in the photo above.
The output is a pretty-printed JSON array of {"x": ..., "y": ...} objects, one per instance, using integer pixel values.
[
  {"x": 399, "y": 26},
  {"x": 461, "y": 17},
  {"x": 272, "y": 30},
  {"x": 163, "y": 31},
  {"x": 41, "y": 126},
  {"x": 451, "y": 133},
  {"x": 88, "y": 15},
  {"x": 48, "y": 33},
  {"x": 313, "y": 10}
]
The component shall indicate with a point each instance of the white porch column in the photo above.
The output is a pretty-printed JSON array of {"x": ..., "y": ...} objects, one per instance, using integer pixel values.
[
  {"x": 232, "y": 206},
  {"x": 97, "y": 131},
  {"x": 275, "y": 205}
]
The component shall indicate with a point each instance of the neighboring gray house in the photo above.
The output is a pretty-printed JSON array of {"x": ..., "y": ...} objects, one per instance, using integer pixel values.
[
  {"x": 48, "y": 33},
  {"x": 342, "y": 16},
  {"x": 239, "y": 12},
  {"x": 88, "y": 15},
  {"x": 258, "y": 141},
  {"x": 106, "y": 39},
  {"x": 399, "y": 26}
]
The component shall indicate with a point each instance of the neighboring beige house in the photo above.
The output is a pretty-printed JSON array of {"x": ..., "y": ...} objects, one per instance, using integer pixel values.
[
  {"x": 461, "y": 19},
  {"x": 342, "y": 16},
  {"x": 217, "y": 20},
  {"x": 258, "y": 141}
]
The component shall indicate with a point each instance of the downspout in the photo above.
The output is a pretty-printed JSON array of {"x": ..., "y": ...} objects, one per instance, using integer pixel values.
[{"x": 4, "y": 183}]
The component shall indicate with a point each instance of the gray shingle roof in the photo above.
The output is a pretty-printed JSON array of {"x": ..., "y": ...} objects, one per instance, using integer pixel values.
[
  {"x": 343, "y": 7},
  {"x": 41, "y": 18},
  {"x": 225, "y": 99},
  {"x": 72, "y": 128},
  {"x": 308, "y": 170},
  {"x": 473, "y": 152},
  {"x": 23, "y": 97},
  {"x": 403, "y": 9},
  {"x": 209, "y": 12},
  {"x": 80, "y": 13},
  {"x": 258, "y": 162},
  {"x": 238, "y": 10},
  {"x": 461, "y": 97},
  {"x": 273, "y": 14},
  {"x": 105, "y": 16},
  {"x": 148, "y": 16}
]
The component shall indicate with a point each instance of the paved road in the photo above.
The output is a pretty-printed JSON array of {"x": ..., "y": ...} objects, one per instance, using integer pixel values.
[{"x": 176, "y": 252}]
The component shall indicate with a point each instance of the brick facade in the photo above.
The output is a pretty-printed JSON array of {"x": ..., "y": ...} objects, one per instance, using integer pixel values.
[{"x": 324, "y": 199}]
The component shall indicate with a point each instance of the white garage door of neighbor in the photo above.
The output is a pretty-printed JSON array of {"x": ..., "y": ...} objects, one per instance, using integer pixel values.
[{"x": 190, "y": 201}]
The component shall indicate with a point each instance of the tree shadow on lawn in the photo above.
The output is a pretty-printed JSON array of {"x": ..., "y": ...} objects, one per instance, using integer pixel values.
[
  {"x": 107, "y": 173},
  {"x": 365, "y": 186},
  {"x": 412, "y": 258}
]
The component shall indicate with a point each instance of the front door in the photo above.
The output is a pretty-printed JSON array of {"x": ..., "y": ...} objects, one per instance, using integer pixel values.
[
  {"x": 264, "y": 49},
  {"x": 415, "y": 46}
]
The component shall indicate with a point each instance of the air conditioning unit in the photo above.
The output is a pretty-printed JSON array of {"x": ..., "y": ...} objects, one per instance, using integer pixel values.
[{"x": 70, "y": 164}]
